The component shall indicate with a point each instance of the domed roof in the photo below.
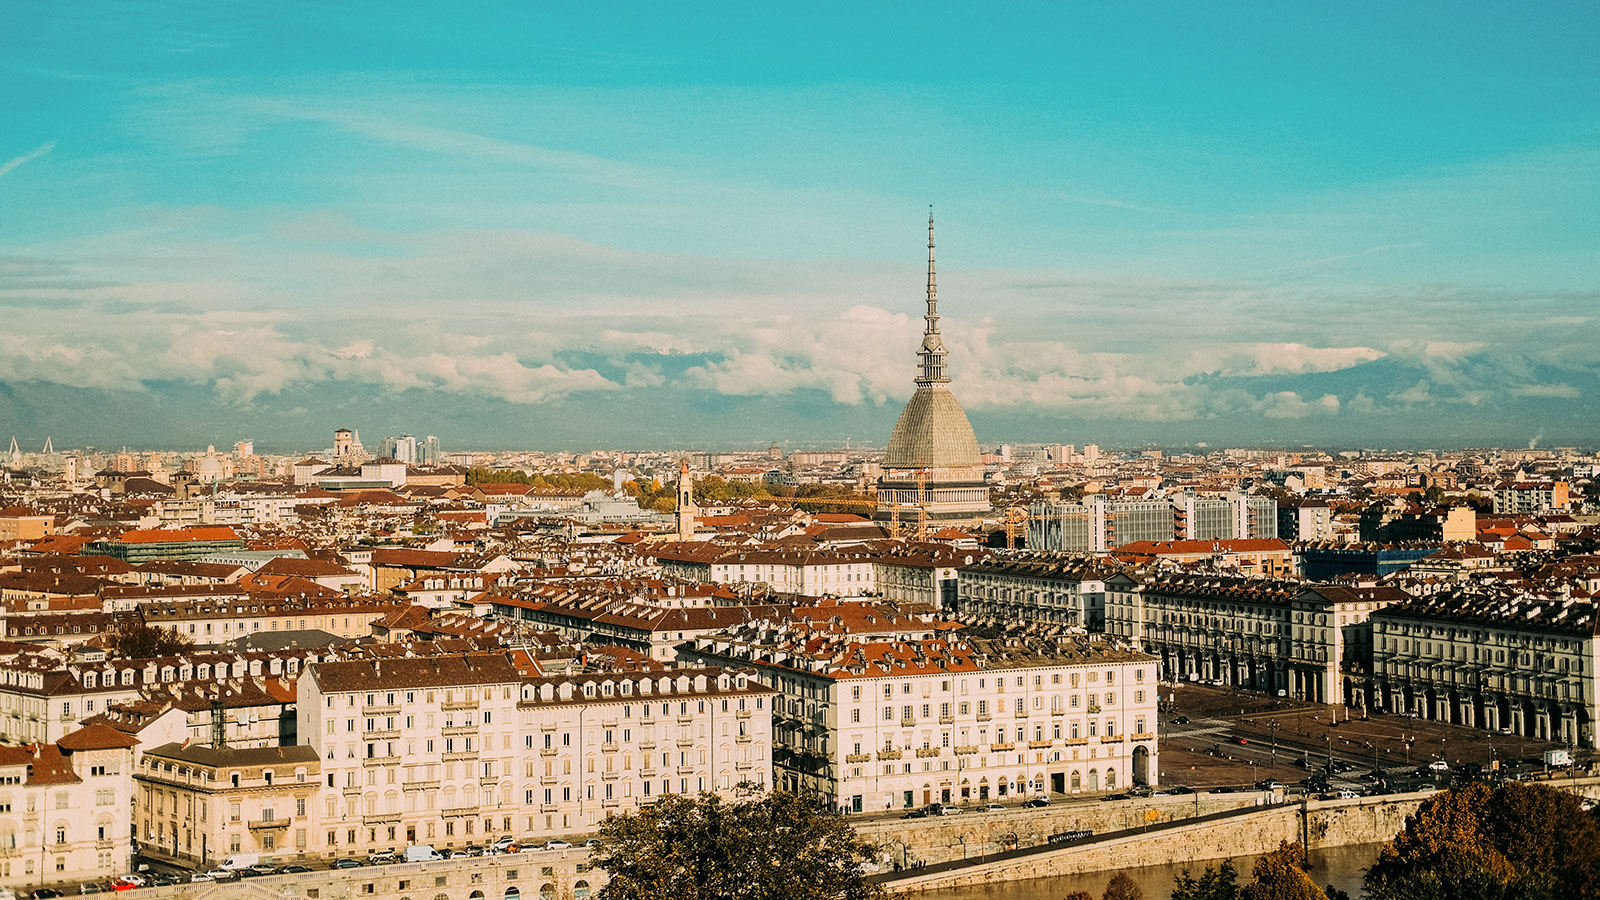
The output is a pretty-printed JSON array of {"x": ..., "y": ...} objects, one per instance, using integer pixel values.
[{"x": 933, "y": 432}]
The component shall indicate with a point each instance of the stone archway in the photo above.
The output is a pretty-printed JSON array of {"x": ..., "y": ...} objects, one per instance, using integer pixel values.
[{"x": 1141, "y": 765}]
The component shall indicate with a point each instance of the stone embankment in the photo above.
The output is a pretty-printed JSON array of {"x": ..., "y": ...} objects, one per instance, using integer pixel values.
[{"x": 1220, "y": 834}]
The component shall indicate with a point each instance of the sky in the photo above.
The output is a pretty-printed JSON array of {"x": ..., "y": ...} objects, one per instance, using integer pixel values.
[{"x": 679, "y": 225}]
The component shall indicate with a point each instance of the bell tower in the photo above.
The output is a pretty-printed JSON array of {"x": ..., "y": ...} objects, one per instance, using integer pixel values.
[{"x": 686, "y": 507}]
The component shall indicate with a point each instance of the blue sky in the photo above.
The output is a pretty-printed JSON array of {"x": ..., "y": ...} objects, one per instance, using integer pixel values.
[{"x": 1370, "y": 223}]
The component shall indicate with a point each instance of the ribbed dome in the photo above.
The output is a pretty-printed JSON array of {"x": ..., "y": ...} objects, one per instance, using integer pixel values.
[{"x": 933, "y": 432}]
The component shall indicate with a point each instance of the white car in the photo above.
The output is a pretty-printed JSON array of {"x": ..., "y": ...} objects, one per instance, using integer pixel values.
[
  {"x": 1438, "y": 765},
  {"x": 557, "y": 845},
  {"x": 200, "y": 876}
]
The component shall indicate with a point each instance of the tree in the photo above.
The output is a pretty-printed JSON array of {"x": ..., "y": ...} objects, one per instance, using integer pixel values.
[
  {"x": 1079, "y": 895},
  {"x": 1215, "y": 883},
  {"x": 778, "y": 846},
  {"x": 1121, "y": 887},
  {"x": 131, "y": 637},
  {"x": 1515, "y": 841},
  {"x": 1279, "y": 876}
]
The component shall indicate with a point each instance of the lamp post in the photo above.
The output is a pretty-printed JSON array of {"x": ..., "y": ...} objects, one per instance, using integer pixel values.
[{"x": 1272, "y": 729}]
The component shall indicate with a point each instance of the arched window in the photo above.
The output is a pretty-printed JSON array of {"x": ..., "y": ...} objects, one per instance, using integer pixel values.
[
  {"x": 513, "y": 892},
  {"x": 547, "y": 892},
  {"x": 580, "y": 891}
]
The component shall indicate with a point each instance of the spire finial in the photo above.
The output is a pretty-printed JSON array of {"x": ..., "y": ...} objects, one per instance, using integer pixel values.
[{"x": 932, "y": 354}]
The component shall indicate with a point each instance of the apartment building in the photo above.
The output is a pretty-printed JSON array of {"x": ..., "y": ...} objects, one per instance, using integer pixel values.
[
  {"x": 1494, "y": 657},
  {"x": 1283, "y": 637},
  {"x": 880, "y": 725},
  {"x": 1037, "y": 587},
  {"x": 65, "y": 809},
  {"x": 1514, "y": 498},
  {"x": 199, "y": 804},
  {"x": 457, "y": 750},
  {"x": 813, "y": 573}
]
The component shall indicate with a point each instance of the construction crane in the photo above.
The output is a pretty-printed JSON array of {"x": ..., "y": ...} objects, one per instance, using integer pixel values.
[{"x": 1016, "y": 521}]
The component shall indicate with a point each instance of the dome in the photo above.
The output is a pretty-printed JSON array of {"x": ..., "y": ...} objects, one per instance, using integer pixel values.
[{"x": 933, "y": 432}]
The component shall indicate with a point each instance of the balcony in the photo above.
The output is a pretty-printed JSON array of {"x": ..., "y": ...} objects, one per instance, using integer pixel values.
[
  {"x": 1040, "y": 745},
  {"x": 459, "y": 730},
  {"x": 966, "y": 749},
  {"x": 908, "y": 722},
  {"x": 925, "y": 752},
  {"x": 889, "y": 754},
  {"x": 1111, "y": 739},
  {"x": 390, "y": 818},
  {"x": 1002, "y": 747},
  {"x": 548, "y": 751},
  {"x": 392, "y": 709},
  {"x": 742, "y": 765},
  {"x": 384, "y": 734},
  {"x": 460, "y": 755},
  {"x": 549, "y": 778},
  {"x": 647, "y": 744},
  {"x": 649, "y": 772},
  {"x": 471, "y": 703},
  {"x": 267, "y": 824},
  {"x": 381, "y": 761},
  {"x": 947, "y": 720},
  {"x": 984, "y": 717},
  {"x": 609, "y": 747},
  {"x": 421, "y": 785},
  {"x": 685, "y": 742},
  {"x": 547, "y": 726},
  {"x": 1075, "y": 742},
  {"x": 609, "y": 775},
  {"x": 455, "y": 812},
  {"x": 686, "y": 719},
  {"x": 743, "y": 714},
  {"x": 686, "y": 770},
  {"x": 858, "y": 757},
  {"x": 1144, "y": 736},
  {"x": 608, "y": 723}
]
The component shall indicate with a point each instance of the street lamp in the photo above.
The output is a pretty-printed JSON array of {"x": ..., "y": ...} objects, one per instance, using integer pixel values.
[{"x": 1272, "y": 729}]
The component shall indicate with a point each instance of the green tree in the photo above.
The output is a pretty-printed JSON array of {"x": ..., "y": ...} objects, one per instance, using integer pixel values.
[
  {"x": 1121, "y": 887},
  {"x": 131, "y": 637},
  {"x": 1515, "y": 841},
  {"x": 777, "y": 846},
  {"x": 1215, "y": 883},
  {"x": 1279, "y": 876},
  {"x": 1079, "y": 895}
]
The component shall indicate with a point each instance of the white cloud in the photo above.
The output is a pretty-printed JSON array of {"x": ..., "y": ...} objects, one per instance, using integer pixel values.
[{"x": 35, "y": 153}]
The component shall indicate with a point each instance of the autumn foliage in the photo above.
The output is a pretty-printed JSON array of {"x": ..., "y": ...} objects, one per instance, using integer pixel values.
[{"x": 1511, "y": 842}]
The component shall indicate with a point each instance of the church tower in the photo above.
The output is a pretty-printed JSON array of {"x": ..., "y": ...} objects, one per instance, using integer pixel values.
[
  {"x": 933, "y": 471},
  {"x": 686, "y": 507}
]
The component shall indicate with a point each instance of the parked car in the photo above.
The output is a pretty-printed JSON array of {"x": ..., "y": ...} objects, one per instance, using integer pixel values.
[
  {"x": 91, "y": 887},
  {"x": 592, "y": 843},
  {"x": 557, "y": 845},
  {"x": 47, "y": 893},
  {"x": 120, "y": 885},
  {"x": 164, "y": 879},
  {"x": 224, "y": 875},
  {"x": 1116, "y": 797},
  {"x": 194, "y": 878},
  {"x": 950, "y": 811},
  {"x": 1438, "y": 765},
  {"x": 379, "y": 857},
  {"x": 295, "y": 869},
  {"x": 916, "y": 814},
  {"x": 994, "y": 807},
  {"x": 502, "y": 845},
  {"x": 345, "y": 862},
  {"x": 1181, "y": 720},
  {"x": 1035, "y": 803},
  {"x": 1180, "y": 789},
  {"x": 472, "y": 850},
  {"x": 134, "y": 879}
]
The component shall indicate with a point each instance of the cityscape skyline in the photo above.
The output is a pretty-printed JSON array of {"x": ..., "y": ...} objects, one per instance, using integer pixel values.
[{"x": 1158, "y": 226}]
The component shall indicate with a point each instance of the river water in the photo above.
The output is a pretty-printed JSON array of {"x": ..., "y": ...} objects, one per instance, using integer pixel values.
[{"x": 1341, "y": 867}]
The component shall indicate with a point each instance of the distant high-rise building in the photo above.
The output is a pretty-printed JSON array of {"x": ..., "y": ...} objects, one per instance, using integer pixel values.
[
  {"x": 933, "y": 470},
  {"x": 1091, "y": 452},
  {"x": 432, "y": 453},
  {"x": 244, "y": 449}
]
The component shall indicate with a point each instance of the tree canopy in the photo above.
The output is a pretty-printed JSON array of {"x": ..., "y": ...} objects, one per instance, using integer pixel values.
[
  {"x": 1122, "y": 887},
  {"x": 1219, "y": 882},
  {"x": 1507, "y": 842},
  {"x": 1280, "y": 876},
  {"x": 776, "y": 846},
  {"x": 131, "y": 637}
]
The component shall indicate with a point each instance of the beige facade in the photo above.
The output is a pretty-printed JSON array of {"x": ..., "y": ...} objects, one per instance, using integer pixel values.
[
  {"x": 199, "y": 804},
  {"x": 888, "y": 725},
  {"x": 453, "y": 751},
  {"x": 64, "y": 809}
]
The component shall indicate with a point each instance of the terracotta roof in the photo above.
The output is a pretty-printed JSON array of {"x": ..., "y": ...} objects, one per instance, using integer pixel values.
[
  {"x": 96, "y": 737},
  {"x": 165, "y": 535}
]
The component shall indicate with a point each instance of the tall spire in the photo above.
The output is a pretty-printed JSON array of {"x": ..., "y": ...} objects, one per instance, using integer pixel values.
[{"x": 932, "y": 354}]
